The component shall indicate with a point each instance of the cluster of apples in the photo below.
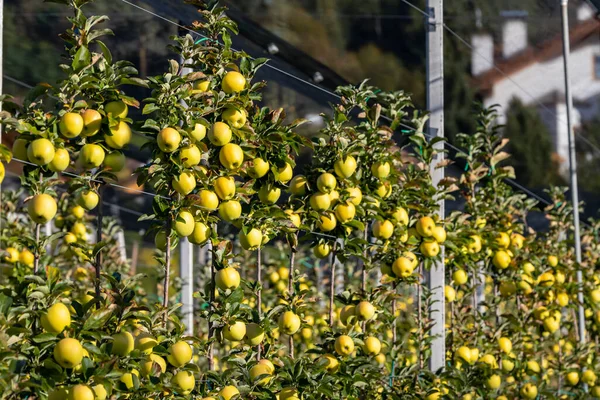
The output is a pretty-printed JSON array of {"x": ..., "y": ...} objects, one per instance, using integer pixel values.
[
  {"x": 216, "y": 192},
  {"x": 84, "y": 127},
  {"x": 132, "y": 342},
  {"x": 333, "y": 197}
]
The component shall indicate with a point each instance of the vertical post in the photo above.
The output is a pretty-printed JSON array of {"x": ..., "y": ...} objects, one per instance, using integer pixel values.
[
  {"x": 122, "y": 245},
  {"x": 211, "y": 333},
  {"x": 167, "y": 281},
  {"x": 186, "y": 260},
  {"x": 99, "y": 239},
  {"x": 36, "y": 259},
  {"x": 573, "y": 164},
  {"x": 211, "y": 296},
  {"x": 187, "y": 284},
  {"x": 363, "y": 285},
  {"x": 340, "y": 271},
  {"x": 48, "y": 232},
  {"x": 480, "y": 291},
  {"x": 259, "y": 294},
  {"x": 114, "y": 211},
  {"x": 1, "y": 87},
  {"x": 435, "y": 105},
  {"x": 332, "y": 284},
  {"x": 291, "y": 285},
  {"x": 135, "y": 250}
]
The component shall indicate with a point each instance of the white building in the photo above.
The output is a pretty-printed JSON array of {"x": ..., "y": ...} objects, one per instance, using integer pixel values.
[{"x": 535, "y": 74}]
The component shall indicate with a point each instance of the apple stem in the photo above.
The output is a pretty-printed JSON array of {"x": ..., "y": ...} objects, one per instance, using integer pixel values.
[{"x": 167, "y": 268}]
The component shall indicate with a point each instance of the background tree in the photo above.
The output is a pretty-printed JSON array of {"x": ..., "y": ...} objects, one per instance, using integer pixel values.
[{"x": 531, "y": 146}]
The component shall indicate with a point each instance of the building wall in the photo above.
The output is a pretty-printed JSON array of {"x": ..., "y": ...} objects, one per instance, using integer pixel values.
[{"x": 545, "y": 82}]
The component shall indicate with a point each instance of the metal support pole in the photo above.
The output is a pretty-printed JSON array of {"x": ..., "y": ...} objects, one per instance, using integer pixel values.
[
  {"x": 99, "y": 222},
  {"x": 187, "y": 284},
  {"x": 114, "y": 211},
  {"x": 435, "y": 105},
  {"x": 1, "y": 87},
  {"x": 573, "y": 164},
  {"x": 186, "y": 262},
  {"x": 480, "y": 287}
]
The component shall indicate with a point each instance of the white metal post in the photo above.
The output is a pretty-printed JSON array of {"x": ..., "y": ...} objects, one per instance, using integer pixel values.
[
  {"x": 1, "y": 81},
  {"x": 114, "y": 210},
  {"x": 435, "y": 104},
  {"x": 186, "y": 268},
  {"x": 187, "y": 284},
  {"x": 573, "y": 164}
]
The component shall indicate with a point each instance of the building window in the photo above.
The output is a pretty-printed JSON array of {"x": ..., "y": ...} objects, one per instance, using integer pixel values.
[{"x": 597, "y": 67}]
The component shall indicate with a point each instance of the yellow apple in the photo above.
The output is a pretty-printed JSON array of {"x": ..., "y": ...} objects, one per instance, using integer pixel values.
[
  {"x": 168, "y": 140},
  {"x": 116, "y": 109},
  {"x": 71, "y": 125},
  {"x": 40, "y": 151},
  {"x": 220, "y": 134},
  {"x": 231, "y": 156},
  {"x": 91, "y": 156},
  {"x": 233, "y": 82},
  {"x": 345, "y": 167},
  {"x": 92, "y": 122},
  {"x": 120, "y": 136},
  {"x": 236, "y": 118}
]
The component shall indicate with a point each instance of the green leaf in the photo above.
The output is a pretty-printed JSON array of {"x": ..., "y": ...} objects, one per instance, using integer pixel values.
[
  {"x": 82, "y": 59},
  {"x": 44, "y": 337},
  {"x": 97, "y": 319},
  {"x": 150, "y": 108},
  {"x": 134, "y": 81},
  {"x": 173, "y": 67},
  {"x": 105, "y": 51},
  {"x": 97, "y": 33},
  {"x": 5, "y": 303}
]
